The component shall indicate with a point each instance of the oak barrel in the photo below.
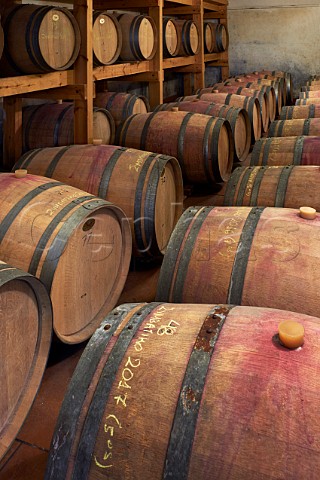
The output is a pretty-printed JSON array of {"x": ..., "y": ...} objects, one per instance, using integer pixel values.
[
  {"x": 291, "y": 128},
  {"x": 190, "y": 37},
  {"x": 237, "y": 117},
  {"x": 307, "y": 101},
  {"x": 300, "y": 111},
  {"x": 289, "y": 186},
  {"x": 251, "y": 105},
  {"x": 106, "y": 38},
  {"x": 256, "y": 76},
  {"x": 146, "y": 186},
  {"x": 246, "y": 92},
  {"x": 139, "y": 37},
  {"x": 287, "y": 80},
  {"x": 274, "y": 151},
  {"x": 78, "y": 245},
  {"x": 48, "y": 39},
  {"x": 216, "y": 37},
  {"x": 257, "y": 256},
  {"x": 219, "y": 380},
  {"x": 202, "y": 144},
  {"x": 25, "y": 336},
  {"x": 310, "y": 94},
  {"x": 310, "y": 88},
  {"x": 171, "y": 37},
  {"x": 121, "y": 105},
  {"x": 52, "y": 125}
]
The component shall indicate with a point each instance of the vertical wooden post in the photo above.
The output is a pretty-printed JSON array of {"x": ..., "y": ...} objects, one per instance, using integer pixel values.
[
  {"x": 198, "y": 19},
  {"x": 83, "y": 72},
  {"x": 12, "y": 131},
  {"x": 156, "y": 88}
]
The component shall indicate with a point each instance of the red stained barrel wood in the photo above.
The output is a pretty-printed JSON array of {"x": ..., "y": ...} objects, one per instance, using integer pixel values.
[
  {"x": 286, "y": 151},
  {"x": 202, "y": 144},
  {"x": 229, "y": 375},
  {"x": 25, "y": 336},
  {"x": 290, "y": 186},
  {"x": 52, "y": 125},
  {"x": 121, "y": 105},
  {"x": 147, "y": 187},
  {"x": 308, "y": 101},
  {"x": 238, "y": 118},
  {"x": 291, "y": 128},
  {"x": 78, "y": 245},
  {"x": 240, "y": 255},
  {"x": 40, "y": 39}
]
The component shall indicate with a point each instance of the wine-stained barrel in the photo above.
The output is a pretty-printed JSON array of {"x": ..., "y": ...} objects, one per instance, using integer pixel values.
[
  {"x": 238, "y": 118},
  {"x": 286, "y": 151},
  {"x": 246, "y": 92},
  {"x": 289, "y": 186},
  {"x": 40, "y": 39},
  {"x": 287, "y": 81},
  {"x": 121, "y": 105},
  {"x": 300, "y": 111},
  {"x": 106, "y": 38},
  {"x": 291, "y": 128},
  {"x": 310, "y": 94},
  {"x": 25, "y": 337},
  {"x": 171, "y": 37},
  {"x": 256, "y": 75},
  {"x": 215, "y": 374},
  {"x": 202, "y": 144},
  {"x": 307, "y": 101},
  {"x": 256, "y": 256},
  {"x": 79, "y": 246},
  {"x": 310, "y": 88},
  {"x": 52, "y": 125},
  {"x": 190, "y": 37},
  {"x": 146, "y": 186},
  {"x": 139, "y": 37},
  {"x": 251, "y": 105},
  {"x": 216, "y": 37}
]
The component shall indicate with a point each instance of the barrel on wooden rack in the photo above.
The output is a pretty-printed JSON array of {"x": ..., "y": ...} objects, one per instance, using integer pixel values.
[
  {"x": 290, "y": 186},
  {"x": 238, "y": 118},
  {"x": 286, "y": 151},
  {"x": 39, "y": 39},
  {"x": 216, "y": 37},
  {"x": 25, "y": 337},
  {"x": 190, "y": 37},
  {"x": 139, "y": 37},
  {"x": 251, "y": 105},
  {"x": 202, "y": 144},
  {"x": 223, "y": 254},
  {"x": 300, "y": 111},
  {"x": 121, "y": 105},
  {"x": 215, "y": 374},
  {"x": 246, "y": 92},
  {"x": 78, "y": 245},
  {"x": 291, "y": 128},
  {"x": 146, "y": 186},
  {"x": 171, "y": 37},
  {"x": 106, "y": 38},
  {"x": 52, "y": 125}
]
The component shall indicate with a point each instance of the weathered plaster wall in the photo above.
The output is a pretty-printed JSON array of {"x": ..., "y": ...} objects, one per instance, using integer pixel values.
[{"x": 282, "y": 35}]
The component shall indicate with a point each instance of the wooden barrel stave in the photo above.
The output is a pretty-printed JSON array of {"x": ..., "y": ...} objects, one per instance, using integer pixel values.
[
  {"x": 216, "y": 37},
  {"x": 48, "y": 40},
  {"x": 147, "y": 187},
  {"x": 274, "y": 186},
  {"x": 25, "y": 332},
  {"x": 171, "y": 37},
  {"x": 121, "y": 105},
  {"x": 107, "y": 38},
  {"x": 307, "y": 101},
  {"x": 296, "y": 127},
  {"x": 168, "y": 133},
  {"x": 278, "y": 252},
  {"x": 238, "y": 118},
  {"x": 52, "y": 125},
  {"x": 202, "y": 405},
  {"x": 300, "y": 111},
  {"x": 190, "y": 37},
  {"x": 61, "y": 234},
  {"x": 275, "y": 151}
]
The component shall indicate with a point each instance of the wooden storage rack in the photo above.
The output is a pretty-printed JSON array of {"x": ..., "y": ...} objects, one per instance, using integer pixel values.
[{"x": 77, "y": 84}]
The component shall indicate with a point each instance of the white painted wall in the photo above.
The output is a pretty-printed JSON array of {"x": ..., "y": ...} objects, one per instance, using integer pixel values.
[{"x": 277, "y": 35}]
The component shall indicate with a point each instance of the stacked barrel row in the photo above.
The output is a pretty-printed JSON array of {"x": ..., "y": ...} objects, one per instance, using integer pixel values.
[{"x": 228, "y": 366}]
